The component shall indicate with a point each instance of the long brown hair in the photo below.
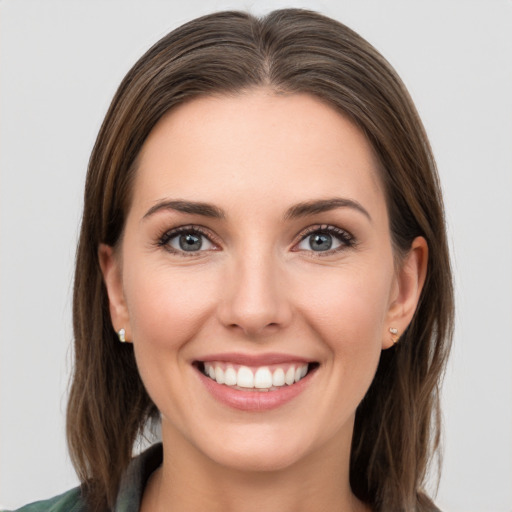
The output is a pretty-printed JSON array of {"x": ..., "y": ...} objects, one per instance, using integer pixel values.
[{"x": 397, "y": 424}]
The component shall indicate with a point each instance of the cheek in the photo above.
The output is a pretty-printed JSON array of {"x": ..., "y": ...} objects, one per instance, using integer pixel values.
[
  {"x": 349, "y": 310},
  {"x": 167, "y": 307}
]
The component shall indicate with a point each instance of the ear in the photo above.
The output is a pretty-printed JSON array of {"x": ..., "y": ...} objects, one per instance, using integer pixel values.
[
  {"x": 409, "y": 282},
  {"x": 112, "y": 276}
]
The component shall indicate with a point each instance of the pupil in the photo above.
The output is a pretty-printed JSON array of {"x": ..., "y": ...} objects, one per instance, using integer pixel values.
[
  {"x": 190, "y": 242},
  {"x": 320, "y": 242}
]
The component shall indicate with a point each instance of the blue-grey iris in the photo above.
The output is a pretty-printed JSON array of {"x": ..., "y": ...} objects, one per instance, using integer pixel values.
[
  {"x": 190, "y": 242},
  {"x": 320, "y": 242}
]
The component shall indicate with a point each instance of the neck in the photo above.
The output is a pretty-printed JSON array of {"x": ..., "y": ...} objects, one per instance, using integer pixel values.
[{"x": 188, "y": 481}]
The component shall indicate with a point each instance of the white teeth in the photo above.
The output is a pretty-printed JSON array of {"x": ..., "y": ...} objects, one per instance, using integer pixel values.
[
  {"x": 230, "y": 376},
  {"x": 245, "y": 377},
  {"x": 290, "y": 376},
  {"x": 262, "y": 378},
  {"x": 219, "y": 375},
  {"x": 278, "y": 377}
]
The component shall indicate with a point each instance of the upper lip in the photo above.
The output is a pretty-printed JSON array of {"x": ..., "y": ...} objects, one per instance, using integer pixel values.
[{"x": 253, "y": 359}]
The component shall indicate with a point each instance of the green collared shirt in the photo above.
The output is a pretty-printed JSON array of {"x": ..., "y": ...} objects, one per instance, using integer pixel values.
[{"x": 130, "y": 491}]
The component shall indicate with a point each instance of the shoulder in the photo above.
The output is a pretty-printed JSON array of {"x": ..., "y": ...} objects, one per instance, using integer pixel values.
[
  {"x": 130, "y": 491},
  {"x": 70, "y": 501}
]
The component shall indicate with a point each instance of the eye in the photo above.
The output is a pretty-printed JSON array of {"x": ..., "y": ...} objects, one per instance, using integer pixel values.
[
  {"x": 325, "y": 239},
  {"x": 186, "y": 240},
  {"x": 190, "y": 242}
]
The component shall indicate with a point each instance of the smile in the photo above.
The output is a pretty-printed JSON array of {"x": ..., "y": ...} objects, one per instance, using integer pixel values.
[
  {"x": 255, "y": 383},
  {"x": 262, "y": 378}
]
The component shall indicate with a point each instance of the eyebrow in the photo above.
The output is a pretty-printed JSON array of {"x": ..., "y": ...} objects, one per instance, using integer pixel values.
[
  {"x": 299, "y": 210},
  {"x": 193, "y": 207},
  {"x": 324, "y": 205}
]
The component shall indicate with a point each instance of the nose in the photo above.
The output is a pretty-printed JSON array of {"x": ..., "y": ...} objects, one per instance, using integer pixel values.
[{"x": 256, "y": 299}]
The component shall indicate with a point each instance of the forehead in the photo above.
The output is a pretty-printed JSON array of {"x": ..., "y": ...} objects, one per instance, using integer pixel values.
[{"x": 253, "y": 145}]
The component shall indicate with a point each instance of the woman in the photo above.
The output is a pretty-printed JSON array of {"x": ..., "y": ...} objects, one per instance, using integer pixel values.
[{"x": 263, "y": 268}]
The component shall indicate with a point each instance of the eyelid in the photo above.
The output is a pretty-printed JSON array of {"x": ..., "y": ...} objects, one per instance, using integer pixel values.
[
  {"x": 346, "y": 238},
  {"x": 169, "y": 234}
]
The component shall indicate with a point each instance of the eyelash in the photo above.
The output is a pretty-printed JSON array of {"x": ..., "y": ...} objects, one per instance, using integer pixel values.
[
  {"x": 346, "y": 239},
  {"x": 164, "y": 239}
]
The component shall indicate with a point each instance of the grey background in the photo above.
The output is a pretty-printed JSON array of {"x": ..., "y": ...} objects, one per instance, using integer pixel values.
[{"x": 61, "y": 62}]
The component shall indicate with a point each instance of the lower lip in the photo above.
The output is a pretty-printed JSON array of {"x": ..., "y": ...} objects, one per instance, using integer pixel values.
[{"x": 253, "y": 400}]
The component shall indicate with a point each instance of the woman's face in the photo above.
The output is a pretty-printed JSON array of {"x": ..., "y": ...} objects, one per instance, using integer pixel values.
[{"x": 257, "y": 248}]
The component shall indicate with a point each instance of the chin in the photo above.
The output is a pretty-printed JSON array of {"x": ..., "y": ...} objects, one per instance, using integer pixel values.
[
  {"x": 265, "y": 457},
  {"x": 260, "y": 447}
]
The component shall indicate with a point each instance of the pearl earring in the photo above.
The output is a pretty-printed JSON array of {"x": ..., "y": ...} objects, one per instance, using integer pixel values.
[
  {"x": 120, "y": 334},
  {"x": 394, "y": 334}
]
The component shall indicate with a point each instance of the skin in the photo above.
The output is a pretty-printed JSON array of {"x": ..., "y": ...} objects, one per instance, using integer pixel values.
[{"x": 258, "y": 287}]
